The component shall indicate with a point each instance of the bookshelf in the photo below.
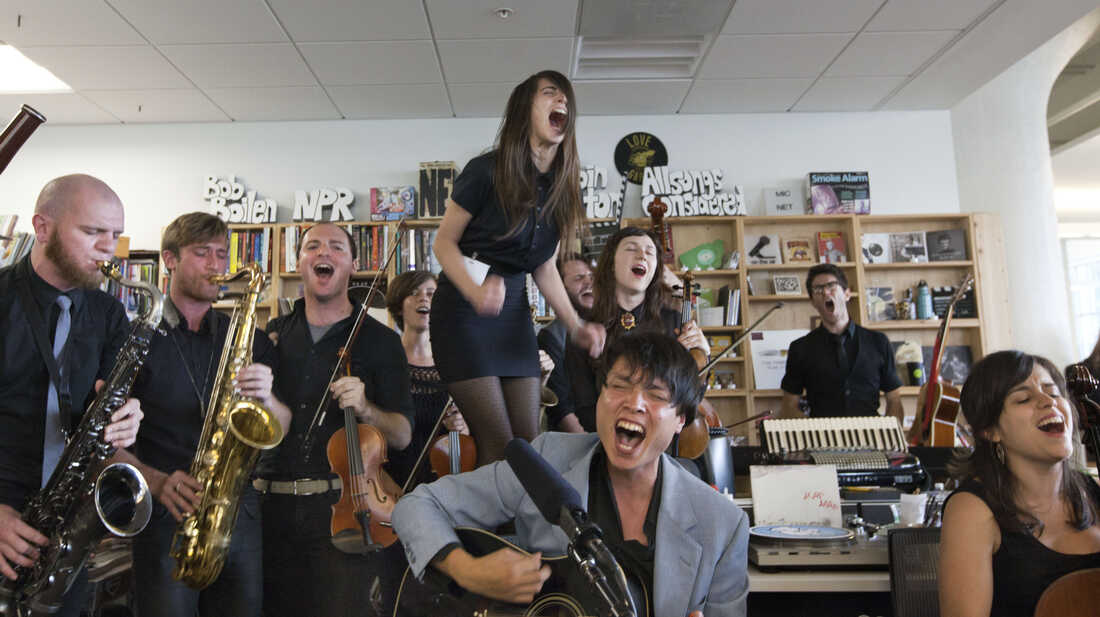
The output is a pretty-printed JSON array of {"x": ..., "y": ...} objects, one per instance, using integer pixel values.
[{"x": 687, "y": 232}]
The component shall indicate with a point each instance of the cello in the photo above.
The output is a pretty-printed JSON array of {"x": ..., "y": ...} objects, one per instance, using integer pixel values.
[
  {"x": 938, "y": 402},
  {"x": 356, "y": 452}
]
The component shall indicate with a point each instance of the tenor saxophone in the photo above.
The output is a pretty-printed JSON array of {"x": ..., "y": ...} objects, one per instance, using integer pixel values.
[
  {"x": 85, "y": 498},
  {"x": 235, "y": 431}
]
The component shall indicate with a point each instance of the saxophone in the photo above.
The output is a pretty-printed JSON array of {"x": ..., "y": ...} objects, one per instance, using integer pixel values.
[
  {"x": 236, "y": 429},
  {"x": 85, "y": 497}
]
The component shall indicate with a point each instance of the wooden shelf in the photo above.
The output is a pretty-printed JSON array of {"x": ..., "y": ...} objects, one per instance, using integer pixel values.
[
  {"x": 720, "y": 329},
  {"x": 361, "y": 274},
  {"x": 919, "y": 265},
  {"x": 698, "y": 273},
  {"x": 919, "y": 324},
  {"x": 230, "y": 304},
  {"x": 729, "y": 359},
  {"x": 735, "y": 393},
  {"x": 909, "y": 390},
  {"x": 768, "y": 393},
  {"x": 778, "y": 298},
  {"x": 797, "y": 266},
  {"x": 423, "y": 222}
]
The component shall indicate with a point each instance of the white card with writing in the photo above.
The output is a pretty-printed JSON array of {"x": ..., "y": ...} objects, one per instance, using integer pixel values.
[
  {"x": 795, "y": 495},
  {"x": 478, "y": 270}
]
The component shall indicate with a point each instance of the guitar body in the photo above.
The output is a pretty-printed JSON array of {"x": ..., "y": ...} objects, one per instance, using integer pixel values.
[
  {"x": 1076, "y": 594},
  {"x": 564, "y": 594},
  {"x": 942, "y": 402}
]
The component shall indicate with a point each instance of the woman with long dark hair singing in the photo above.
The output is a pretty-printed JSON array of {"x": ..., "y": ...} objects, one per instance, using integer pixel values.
[
  {"x": 1024, "y": 515},
  {"x": 510, "y": 210}
]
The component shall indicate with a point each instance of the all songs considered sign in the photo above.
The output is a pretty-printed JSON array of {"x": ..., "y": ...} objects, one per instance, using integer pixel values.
[{"x": 691, "y": 193}]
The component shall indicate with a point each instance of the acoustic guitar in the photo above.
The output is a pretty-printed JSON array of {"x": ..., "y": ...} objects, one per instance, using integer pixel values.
[
  {"x": 1076, "y": 594},
  {"x": 565, "y": 593},
  {"x": 938, "y": 402}
]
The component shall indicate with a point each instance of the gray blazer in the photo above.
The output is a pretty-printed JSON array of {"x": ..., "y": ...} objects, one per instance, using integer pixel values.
[{"x": 702, "y": 538}]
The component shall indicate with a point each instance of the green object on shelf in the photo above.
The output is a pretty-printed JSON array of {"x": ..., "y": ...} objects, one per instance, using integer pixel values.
[{"x": 707, "y": 256}]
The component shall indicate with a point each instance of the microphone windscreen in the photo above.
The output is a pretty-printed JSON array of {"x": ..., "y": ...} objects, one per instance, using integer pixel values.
[{"x": 546, "y": 487}]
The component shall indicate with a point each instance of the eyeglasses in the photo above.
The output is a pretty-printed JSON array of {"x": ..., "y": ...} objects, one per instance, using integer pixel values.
[{"x": 819, "y": 290}]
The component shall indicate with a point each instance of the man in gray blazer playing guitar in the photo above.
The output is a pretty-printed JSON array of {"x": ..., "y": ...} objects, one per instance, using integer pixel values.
[{"x": 682, "y": 540}]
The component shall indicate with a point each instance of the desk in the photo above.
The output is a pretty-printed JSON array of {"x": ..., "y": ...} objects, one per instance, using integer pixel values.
[{"x": 810, "y": 581}]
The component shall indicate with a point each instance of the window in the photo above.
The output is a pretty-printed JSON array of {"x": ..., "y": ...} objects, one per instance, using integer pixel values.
[{"x": 1082, "y": 257}]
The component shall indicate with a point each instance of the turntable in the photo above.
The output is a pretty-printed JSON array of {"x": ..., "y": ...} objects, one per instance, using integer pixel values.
[{"x": 814, "y": 546}]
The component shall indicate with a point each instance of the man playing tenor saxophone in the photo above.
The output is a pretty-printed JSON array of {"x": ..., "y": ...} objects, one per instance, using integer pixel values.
[
  {"x": 50, "y": 304},
  {"x": 175, "y": 386}
]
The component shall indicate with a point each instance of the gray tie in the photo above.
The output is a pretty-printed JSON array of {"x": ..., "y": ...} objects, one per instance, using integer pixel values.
[{"x": 54, "y": 442}]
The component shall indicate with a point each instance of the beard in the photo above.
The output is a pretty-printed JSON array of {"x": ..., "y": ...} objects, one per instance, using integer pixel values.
[{"x": 68, "y": 265}]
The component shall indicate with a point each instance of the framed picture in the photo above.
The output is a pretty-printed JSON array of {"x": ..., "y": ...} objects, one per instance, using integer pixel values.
[{"x": 787, "y": 284}]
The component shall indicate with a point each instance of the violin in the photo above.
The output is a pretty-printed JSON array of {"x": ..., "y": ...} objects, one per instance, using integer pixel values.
[
  {"x": 452, "y": 453},
  {"x": 1081, "y": 383},
  {"x": 361, "y": 518}
]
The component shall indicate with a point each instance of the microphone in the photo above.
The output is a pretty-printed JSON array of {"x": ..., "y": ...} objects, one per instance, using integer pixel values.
[{"x": 560, "y": 504}]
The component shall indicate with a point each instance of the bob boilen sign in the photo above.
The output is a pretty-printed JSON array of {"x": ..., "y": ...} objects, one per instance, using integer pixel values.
[{"x": 691, "y": 193}]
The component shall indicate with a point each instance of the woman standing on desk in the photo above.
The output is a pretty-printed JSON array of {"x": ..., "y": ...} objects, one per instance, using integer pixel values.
[
  {"x": 510, "y": 210},
  {"x": 1024, "y": 515}
]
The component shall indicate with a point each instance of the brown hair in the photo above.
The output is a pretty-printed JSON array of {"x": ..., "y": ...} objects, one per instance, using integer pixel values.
[
  {"x": 193, "y": 228},
  {"x": 351, "y": 241},
  {"x": 605, "y": 309},
  {"x": 820, "y": 269},
  {"x": 982, "y": 402},
  {"x": 403, "y": 286},
  {"x": 514, "y": 173}
]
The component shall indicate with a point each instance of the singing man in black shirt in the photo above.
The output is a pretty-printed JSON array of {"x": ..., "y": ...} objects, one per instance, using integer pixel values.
[
  {"x": 53, "y": 292},
  {"x": 304, "y": 573},
  {"x": 841, "y": 366},
  {"x": 175, "y": 386}
]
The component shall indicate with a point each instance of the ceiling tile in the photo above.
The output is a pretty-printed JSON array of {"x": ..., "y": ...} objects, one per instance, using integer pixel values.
[
  {"x": 776, "y": 55},
  {"x": 60, "y": 108},
  {"x": 495, "y": 60},
  {"x": 905, "y": 15},
  {"x": 394, "y": 101},
  {"x": 847, "y": 93},
  {"x": 256, "y": 104},
  {"x": 634, "y": 19},
  {"x": 251, "y": 65},
  {"x": 158, "y": 105},
  {"x": 352, "y": 20},
  {"x": 167, "y": 22},
  {"x": 799, "y": 16},
  {"x": 744, "y": 95},
  {"x": 630, "y": 97},
  {"x": 64, "y": 22},
  {"x": 474, "y": 19},
  {"x": 888, "y": 53},
  {"x": 137, "y": 67},
  {"x": 480, "y": 100},
  {"x": 375, "y": 62}
]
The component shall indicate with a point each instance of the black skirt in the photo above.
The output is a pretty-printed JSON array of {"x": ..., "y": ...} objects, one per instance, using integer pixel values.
[{"x": 466, "y": 345}]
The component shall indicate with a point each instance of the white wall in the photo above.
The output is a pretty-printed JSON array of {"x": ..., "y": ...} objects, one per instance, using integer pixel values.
[
  {"x": 158, "y": 169},
  {"x": 1004, "y": 165}
]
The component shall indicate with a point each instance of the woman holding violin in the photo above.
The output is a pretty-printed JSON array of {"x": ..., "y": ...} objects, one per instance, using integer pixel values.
[
  {"x": 409, "y": 302},
  {"x": 304, "y": 572},
  {"x": 630, "y": 298},
  {"x": 1024, "y": 515}
]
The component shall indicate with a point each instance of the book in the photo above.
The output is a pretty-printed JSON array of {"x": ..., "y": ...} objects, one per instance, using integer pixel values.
[
  {"x": 847, "y": 192},
  {"x": 965, "y": 308},
  {"x": 782, "y": 200},
  {"x": 706, "y": 256},
  {"x": 797, "y": 251},
  {"x": 908, "y": 247},
  {"x": 880, "y": 303},
  {"x": 392, "y": 203},
  {"x": 769, "y": 355},
  {"x": 956, "y": 363},
  {"x": 595, "y": 239},
  {"x": 946, "y": 245},
  {"x": 730, "y": 299},
  {"x": 876, "y": 248},
  {"x": 831, "y": 248},
  {"x": 763, "y": 249}
]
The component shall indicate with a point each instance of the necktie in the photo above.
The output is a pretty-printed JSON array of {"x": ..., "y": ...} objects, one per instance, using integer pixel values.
[
  {"x": 841, "y": 353},
  {"x": 53, "y": 443}
]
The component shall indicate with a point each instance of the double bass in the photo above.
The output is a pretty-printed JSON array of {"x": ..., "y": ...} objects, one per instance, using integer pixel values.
[{"x": 938, "y": 402}]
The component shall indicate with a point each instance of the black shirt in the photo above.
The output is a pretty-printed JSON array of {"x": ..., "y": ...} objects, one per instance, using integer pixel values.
[
  {"x": 580, "y": 368},
  {"x": 429, "y": 395},
  {"x": 635, "y": 558},
  {"x": 551, "y": 339},
  {"x": 182, "y": 364},
  {"x": 1023, "y": 567},
  {"x": 833, "y": 389},
  {"x": 99, "y": 329},
  {"x": 304, "y": 368},
  {"x": 484, "y": 235}
]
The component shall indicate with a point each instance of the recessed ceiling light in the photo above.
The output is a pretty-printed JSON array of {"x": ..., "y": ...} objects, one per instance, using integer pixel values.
[
  {"x": 503, "y": 13},
  {"x": 18, "y": 74}
]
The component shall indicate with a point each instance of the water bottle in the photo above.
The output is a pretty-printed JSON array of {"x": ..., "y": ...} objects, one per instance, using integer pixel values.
[{"x": 924, "y": 301}]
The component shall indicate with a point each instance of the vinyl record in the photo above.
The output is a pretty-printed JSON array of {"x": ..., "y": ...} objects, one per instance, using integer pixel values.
[
  {"x": 637, "y": 151},
  {"x": 800, "y": 533}
]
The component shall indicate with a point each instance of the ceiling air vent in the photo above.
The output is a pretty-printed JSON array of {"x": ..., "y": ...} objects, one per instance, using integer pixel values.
[{"x": 650, "y": 58}]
